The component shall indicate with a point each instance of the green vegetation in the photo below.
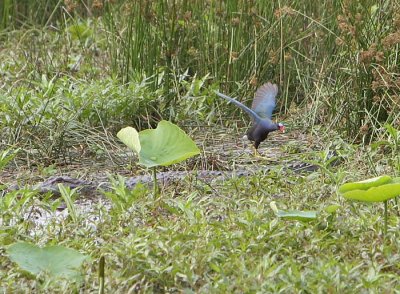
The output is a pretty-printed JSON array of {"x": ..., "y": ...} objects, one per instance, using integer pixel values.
[
  {"x": 73, "y": 73},
  {"x": 53, "y": 261},
  {"x": 379, "y": 189},
  {"x": 163, "y": 146},
  {"x": 372, "y": 190}
]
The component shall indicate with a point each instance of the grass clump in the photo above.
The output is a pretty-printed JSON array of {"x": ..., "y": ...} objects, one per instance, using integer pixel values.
[
  {"x": 228, "y": 240},
  {"x": 338, "y": 60}
]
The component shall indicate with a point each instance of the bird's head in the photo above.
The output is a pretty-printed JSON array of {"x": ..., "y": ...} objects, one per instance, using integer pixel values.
[{"x": 281, "y": 127}]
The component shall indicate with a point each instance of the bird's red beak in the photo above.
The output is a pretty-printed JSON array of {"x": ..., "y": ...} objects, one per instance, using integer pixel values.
[{"x": 282, "y": 129}]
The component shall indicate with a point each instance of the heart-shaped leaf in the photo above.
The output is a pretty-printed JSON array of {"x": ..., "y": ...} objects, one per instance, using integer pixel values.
[
  {"x": 55, "y": 261},
  {"x": 163, "y": 146}
]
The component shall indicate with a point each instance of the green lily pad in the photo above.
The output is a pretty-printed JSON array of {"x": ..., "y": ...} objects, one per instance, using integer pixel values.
[
  {"x": 365, "y": 185},
  {"x": 55, "y": 261},
  {"x": 303, "y": 216},
  {"x": 373, "y": 190},
  {"x": 163, "y": 146},
  {"x": 375, "y": 194}
]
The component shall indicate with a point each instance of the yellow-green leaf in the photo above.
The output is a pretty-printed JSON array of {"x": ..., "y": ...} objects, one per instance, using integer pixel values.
[{"x": 130, "y": 137}]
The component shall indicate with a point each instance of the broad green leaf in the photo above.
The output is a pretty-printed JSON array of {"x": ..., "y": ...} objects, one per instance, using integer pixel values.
[
  {"x": 130, "y": 137},
  {"x": 375, "y": 194},
  {"x": 365, "y": 185},
  {"x": 372, "y": 190},
  {"x": 303, "y": 216},
  {"x": 55, "y": 261},
  {"x": 165, "y": 145}
]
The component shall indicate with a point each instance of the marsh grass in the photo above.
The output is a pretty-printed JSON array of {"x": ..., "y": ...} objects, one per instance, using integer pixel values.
[
  {"x": 338, "y": 58},
  {"x": 222, "y": 237},
  {"x": 16, "y": 14},
  {"x": 336, "y": 63}
]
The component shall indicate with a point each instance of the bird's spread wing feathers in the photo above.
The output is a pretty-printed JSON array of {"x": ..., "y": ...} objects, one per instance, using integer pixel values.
[
  {"x": 264, "y": 100},
  {"x": 252, "y": 113}
]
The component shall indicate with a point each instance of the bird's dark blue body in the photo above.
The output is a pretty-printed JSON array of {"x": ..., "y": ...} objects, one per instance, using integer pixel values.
[{"x": 261, "y": 113}]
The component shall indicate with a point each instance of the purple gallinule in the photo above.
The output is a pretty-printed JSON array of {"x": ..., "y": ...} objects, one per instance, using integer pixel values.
[{"x": 261, "y": 113}]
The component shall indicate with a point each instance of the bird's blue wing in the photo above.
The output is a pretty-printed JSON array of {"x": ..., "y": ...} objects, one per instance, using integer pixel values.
[
  {"x": 252, "y": 113},
  {"x": 264, "y": 100}
]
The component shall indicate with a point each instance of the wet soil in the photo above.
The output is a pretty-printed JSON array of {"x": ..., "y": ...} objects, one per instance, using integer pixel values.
[{"x": 224, "y": 155}]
